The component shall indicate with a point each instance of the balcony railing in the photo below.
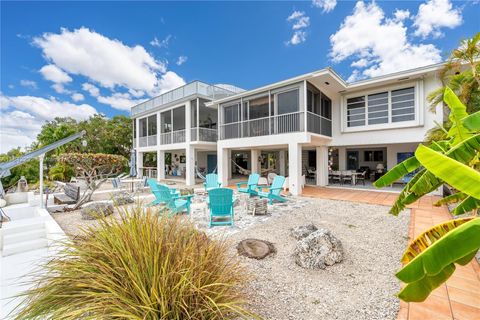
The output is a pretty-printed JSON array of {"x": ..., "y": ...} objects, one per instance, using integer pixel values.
[
  {"x": 204, "y": 134},
  {"x": 284, "y": 123},
  {"x": 148, "y": 141},
  {"x": 172, "y": 137}
]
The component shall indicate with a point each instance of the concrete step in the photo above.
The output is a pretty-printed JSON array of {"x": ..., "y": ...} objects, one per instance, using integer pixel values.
[
  {"x": 24, "y": 246},
  {"x": 23, "y": 225},
  {"x": 24, "y": 236}
]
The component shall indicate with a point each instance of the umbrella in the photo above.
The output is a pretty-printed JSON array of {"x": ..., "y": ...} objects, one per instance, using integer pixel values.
[{"x": 133, "y": 163}]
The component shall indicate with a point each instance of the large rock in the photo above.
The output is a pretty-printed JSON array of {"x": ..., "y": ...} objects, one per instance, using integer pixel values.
[
  {"x": 255, "y": 249},
  {"x": 121, "y": 198},
  {"x": 96, "y": 210},
  {"x": 318, "y": 250},
  {"x": 301, "y": 232}
]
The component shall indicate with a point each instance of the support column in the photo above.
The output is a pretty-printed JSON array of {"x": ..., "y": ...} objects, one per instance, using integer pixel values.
[
  {"x": 160, "y": 165},
  {"x": 281, "y": 161},
  {"x": 188, "y": 122},
  {"x": 42, "y": 204},
  {"x": 139, "y": 164},
  {"x": 342, "y": 158},
  {"x": 229, "y": 164},
  {"x": 190, "y": 166},
  {"x": 295, "y": 168},
  {"x": 322, "y": 166},
  {"x": 223, "y": 171},
  {"x": 254, "y": 153}
]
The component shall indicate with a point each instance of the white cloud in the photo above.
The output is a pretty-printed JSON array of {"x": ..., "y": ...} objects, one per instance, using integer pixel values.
[
  {"x": 378, "y": 43},
  {"x": 434, "y": 15},
  {"x": 55, "y": 74},
  {"x": 300, "y": 22},
  {"x": 136, "y": 93},
  {"x": 77, "y": 97},
  {"x": 169, "y": 81},
  {"x": 401, "y": 15},
  {"x": 181, "y": 60},
  {"x": 28, "y": 83},
  {"x": 23, "y": 116},
  {"x": 161, "y": 43},
  {"x": 120, "y": 101},
  {"x": 91, "y": 89},
  {"x": 326, "y": 5},
  {"x": 60, "y": 88}
]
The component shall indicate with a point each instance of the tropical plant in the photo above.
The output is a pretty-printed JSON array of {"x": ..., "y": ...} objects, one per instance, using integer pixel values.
[
  {"x": 61, "y": 171},
  {"x": 139, "y": 266},
  {"x": 430, "y": 259}
]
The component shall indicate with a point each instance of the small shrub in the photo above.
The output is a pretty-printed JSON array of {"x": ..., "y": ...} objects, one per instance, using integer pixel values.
[
  {"x": 139, "y": 266},
  {"x": 61, "y": 172}
]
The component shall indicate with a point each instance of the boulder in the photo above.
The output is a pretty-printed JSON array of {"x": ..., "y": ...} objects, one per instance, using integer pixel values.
[
  {"x": 318, "y": 250},
  {"x": 122, "y": 198},
  {"x": 96, "y": 210},
  {"x": 255, "y": 248},
  {"x": 301, "y": 232}
]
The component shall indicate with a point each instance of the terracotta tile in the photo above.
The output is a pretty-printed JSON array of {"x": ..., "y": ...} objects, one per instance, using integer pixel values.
[
  {"x": 464, "y": 312},
  {"x": 464, "y": 284},
  {"x": 403, "y": 313},
  {"x": 463, "y": 296},
  {"x": 424, "y": 311},
  {"x": 441, "y": 292}
]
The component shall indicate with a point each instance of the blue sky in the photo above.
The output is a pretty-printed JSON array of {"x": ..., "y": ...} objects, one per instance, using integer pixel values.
[{"x": 76, "y": 59}]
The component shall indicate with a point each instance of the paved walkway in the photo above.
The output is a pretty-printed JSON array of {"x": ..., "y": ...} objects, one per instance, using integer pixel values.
[{"x": 459, "y": 298}]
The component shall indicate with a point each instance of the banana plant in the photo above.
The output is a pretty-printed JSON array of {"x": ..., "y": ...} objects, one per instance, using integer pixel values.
[{"x": 430, "y": 259}]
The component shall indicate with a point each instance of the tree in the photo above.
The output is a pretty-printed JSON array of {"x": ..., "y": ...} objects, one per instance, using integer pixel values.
[
  {"x": 430, "y": 259},
  {"x": 95, "y": 168}
]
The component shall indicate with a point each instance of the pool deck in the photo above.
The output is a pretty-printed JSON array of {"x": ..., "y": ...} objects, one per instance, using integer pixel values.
[{"x": 459, "y": 298}]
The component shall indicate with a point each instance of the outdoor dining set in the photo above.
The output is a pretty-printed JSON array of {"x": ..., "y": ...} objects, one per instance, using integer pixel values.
[{"x": 347, "y": 177}]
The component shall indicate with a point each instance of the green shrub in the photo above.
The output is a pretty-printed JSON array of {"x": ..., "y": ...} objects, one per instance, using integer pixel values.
[
  {"x": 139, "y": 266},
  {"x": 61, "y": 172}
]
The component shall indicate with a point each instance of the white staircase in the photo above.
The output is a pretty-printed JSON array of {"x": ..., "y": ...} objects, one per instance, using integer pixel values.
[{"x": 23, "y": 235}]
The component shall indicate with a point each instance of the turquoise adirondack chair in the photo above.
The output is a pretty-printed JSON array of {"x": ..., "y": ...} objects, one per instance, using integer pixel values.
[
  {"x": 221, "y": 202},
  {"x": 211, "y": 181},
  {"x": 274, "y": 191},
  {"x": 159, "y": 199},
  {"x": 175, "y": 202},
  {"x": 251, "y": 185}
]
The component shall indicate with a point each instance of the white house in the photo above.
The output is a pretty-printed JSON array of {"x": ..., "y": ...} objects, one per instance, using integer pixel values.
[{"x": 302, "y": 126}]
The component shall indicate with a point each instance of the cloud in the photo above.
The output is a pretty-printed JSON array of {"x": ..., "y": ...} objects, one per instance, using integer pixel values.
[
  {"x": 377, "y": 45},
  {"x": 300, "y": 22},
  {"x": 53, "y": 73},
  {"x": 23, "y": 116},
  {"x": 120, "y": 101},
  {"x": 434, "y": 15},
  {"x": 181, "y": 60},
  {"x": 28, "y": 83},
  {"x": 91, "y": 89},
  {"x": 161, "y": 43},
  {"x": 326, "y": 5},
  {"x": 401, "y": 15},
  {"x": 77, "y": 97},
  {"x": 169, "y": 81}
]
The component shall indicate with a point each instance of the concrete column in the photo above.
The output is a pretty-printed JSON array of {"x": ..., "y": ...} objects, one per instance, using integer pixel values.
[
  {"x": 295, "y": 168},
  {"x": 42, "y": 204},
  {"x": 223, "y": 171},
  {"x": 190, "y": 166},
  {"x": 229, "y": 164},
  {"x": 281, "y": 161},
  {"x": 254, "y": 154},
  {"x": 342, "y": 158},
  {"x": 160, "y": 165},
  {"x": 322, "y": 166},
  {"x": 137, "y": 129},
  {"x": 188, "y": 116},
  {"x": 158, "y": 129},
  {"x": 139, "y": 163}
]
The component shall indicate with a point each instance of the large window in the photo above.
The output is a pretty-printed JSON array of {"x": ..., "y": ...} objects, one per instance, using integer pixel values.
[
  {"x": 318, "y": 103},
  {"x": 257, "y": 108},
  {"x": 231, "y": 113},
  {"x": 179, "y": 118},
  {"x": 152, "y": 125},
  {"x": 166, "y": 121},
  {"x": 143, "y": 127},
  {"x": 193, "y": 113},
  {"x": 288, "y": 102},
  {"x": 207, "y": 116},
  {"x": 383, "y": 107}
]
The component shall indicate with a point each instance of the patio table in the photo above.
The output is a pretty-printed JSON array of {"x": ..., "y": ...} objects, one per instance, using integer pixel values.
[{"x": 132, "y": 183}]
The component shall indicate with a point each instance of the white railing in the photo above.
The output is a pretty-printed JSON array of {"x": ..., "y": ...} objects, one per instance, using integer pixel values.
[
  {"x": 203, "y": 134},
  {"x": 150, "y": 172},
  {"x": 284, "y": 123},
  {"x": 319, "y": 124},
  {"x": 172, "y": 137},
  {"x": 147, "y": 141}
]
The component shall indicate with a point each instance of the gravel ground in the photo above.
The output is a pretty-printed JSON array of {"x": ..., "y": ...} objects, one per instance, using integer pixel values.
[{"x": 360, "y": 287}]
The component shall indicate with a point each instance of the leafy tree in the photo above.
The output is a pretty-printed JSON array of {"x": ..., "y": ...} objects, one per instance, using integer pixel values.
[
  {"x": 430, "y": 259},
  {"x": 29, "y": 169}
]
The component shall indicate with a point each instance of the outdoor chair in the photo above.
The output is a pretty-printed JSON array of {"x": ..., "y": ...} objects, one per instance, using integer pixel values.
[
  {"x": 221, "y": 202},
  {"x": 175, "y": 202},
  {"x": 270, "y": 177},
  {"x": 347, "y": 177},
  {"x": 250, "y": 185},
  {"x": 361, "y": 177},
  {"x": 336, "y": 177},
  {"x": 274, "y": 191},
  {"x": 211, "y": 182},
  {"x": 159, "y": 199},
  {"x": 310, "y": 174}
]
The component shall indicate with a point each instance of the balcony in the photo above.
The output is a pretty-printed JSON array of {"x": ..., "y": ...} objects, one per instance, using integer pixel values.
[
  {"x": 204, "y": 134},
  {"x": 279, "y": 124},
  {"x": 177, "y": 136},
  {"x": 197, "y": 87},
  {"x": 148, "y": 141}
]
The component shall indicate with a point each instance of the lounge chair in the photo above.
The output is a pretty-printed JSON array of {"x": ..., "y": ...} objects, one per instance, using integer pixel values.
[
  {"x": 159, "y": 199},
  {"x": 211, "y": 182},
  {"x": 175, "y": 202},
  {"x": 251, "y": 184},
  {"x": 221, "y": 203},
  {"x": 274, "y": 191}
]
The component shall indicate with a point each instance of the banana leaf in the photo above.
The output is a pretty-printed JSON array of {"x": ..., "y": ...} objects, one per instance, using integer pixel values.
[
  {"x": 453, "y": 198},
  {"x": 456, "y": 174},
  {"x": 458, "y": 112},
  {"x": 400, "y": 170},
  {"x": 468, "y": 204},
  {"x": 472, "y": 122},
  {"x": 429, "y": 259},
  {"x": 401, "y": 201}
]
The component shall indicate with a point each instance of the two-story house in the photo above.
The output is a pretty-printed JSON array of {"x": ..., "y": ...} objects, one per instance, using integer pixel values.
[{"x": 317, "y": 122}]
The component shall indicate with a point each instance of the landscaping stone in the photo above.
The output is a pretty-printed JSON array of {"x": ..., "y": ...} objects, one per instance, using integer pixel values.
[
  {"x": 301, "y": 232},
  {"x": 255, "y": 248},
  {"x": 122, "y": 198},
  {"x": 96, "y": 210},
  {"x": 318, "y": 250}
]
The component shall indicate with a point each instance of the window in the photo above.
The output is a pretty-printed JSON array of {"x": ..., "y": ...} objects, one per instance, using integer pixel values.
[
  {"x": 193, "y": 115},
  {"x": 288, "y": 102},
  {"x": 231, "y": 113},
  {"x": 134, "y": 128},
  {"x": 356, "y": 112},
  {"x": 143, "y": 127},
  {"x": 179, "y": 118},
  {"x": 378, "y": 108},
  {"x": 258, "y": 107},
  {"x": 373, "y": 156},
  {"x": 166, "y": 119},
  {"x": 207, "y": 116},
  {"x": 326, "y": 108},
  {"x": 152, "y": 125},
  {"x": 403, "y": 104}
]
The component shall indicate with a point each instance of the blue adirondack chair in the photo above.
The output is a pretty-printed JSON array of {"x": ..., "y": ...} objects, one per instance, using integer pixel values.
[
  {"x": 159, "y": 199},
  {"x": 175, "y": 202},
  {"x": 250, "y": 185},
  {"x": 274, "y": 191},
  {"x": 211, "y": 181},
  {"x": 221, "y": 202}
]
